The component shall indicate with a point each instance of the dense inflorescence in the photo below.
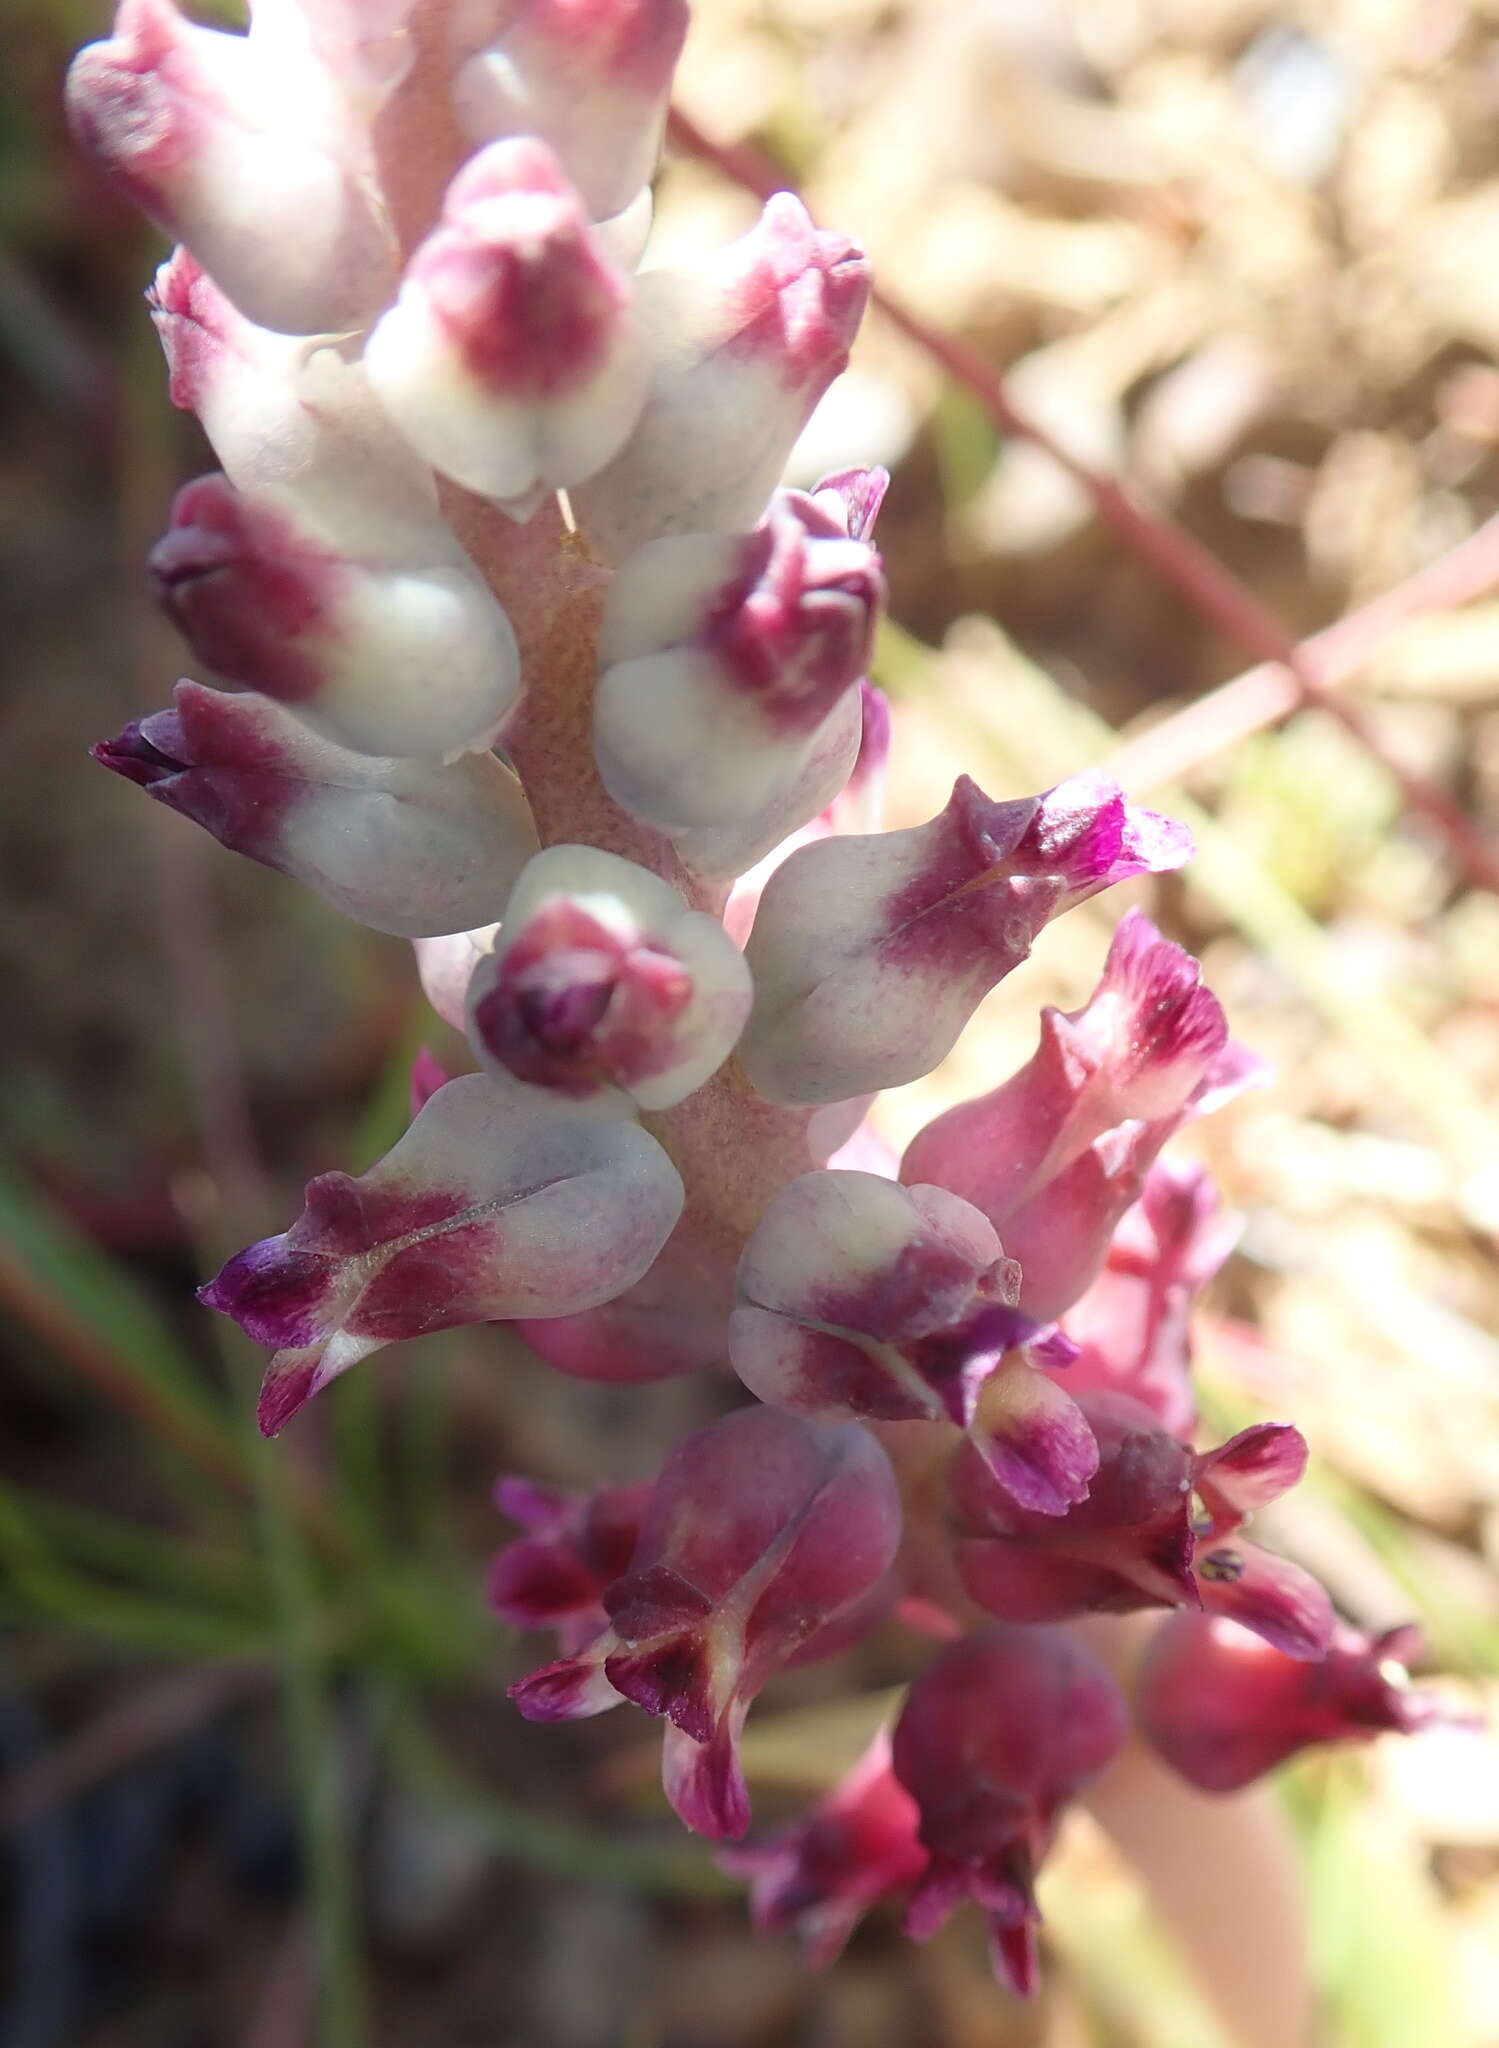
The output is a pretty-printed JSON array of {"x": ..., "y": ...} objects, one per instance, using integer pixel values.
[{"x": 534, "y": 662}]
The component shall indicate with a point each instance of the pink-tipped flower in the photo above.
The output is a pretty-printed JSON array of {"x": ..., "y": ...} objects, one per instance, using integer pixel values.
[
  {"x": 1056, "y": 1154},
  {"x": 767, "y": 1542},
  {"x": 819, "y": 1878},
  {"x": 247, "y": 149},
  {"x": 510, "y": 359},
  {"x": 1223, "y": 1707},
  {"x": 742, "y": 345},
  {"x": 728, "y": 671},
  {"x": 603, "y": 989},
  {"x": 871, "y": 953},
  {"x": 1132, "y": 1327},
  {"x": 292, "y": 415},
  {"x": 859, "y": 1297},
  {"x": 574, "y": 1548},
  {"x": 591, "y": 78},
  {"x": 486, "y": 1209},
  {"x": 387, "y": 656},
  {"x": 1140, "y": 1539},
  {"x": 402, "y": 846},
  {"x": 997, "y": 1735}
]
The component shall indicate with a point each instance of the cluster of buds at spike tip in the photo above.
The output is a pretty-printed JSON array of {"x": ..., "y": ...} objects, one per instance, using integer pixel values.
[{"x": 531, "y": 657}]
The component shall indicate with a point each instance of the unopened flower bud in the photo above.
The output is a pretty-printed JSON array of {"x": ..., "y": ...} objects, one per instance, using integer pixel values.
[
  {"x": 728, "y": 667},
  {"x": 248, "y": 151},
  {"x": 859, "y": 1297},
  {"x": 574, "y": 1548},
  {"x": 1223, "y": 1707},
  {"x": 386, "y": 656},
  {"x": 603, "y": 988},
  {"x": 871, "y": 953},
  {"x": 1132, "y": 1326},
  {"x": 402, "y": 846},
  {"x": 997, "y": 1735},
  {"x": 819, "y": 1878},
  {"x": 591, "y": 78},
  {"x": 1139, "y": 1540},
  {"x": 742, "y": 344},
  {"x": 767, "y": 1542},
  {"x": 1056, "y": 1154},
  {"x": 487, "y": 1209},
  {"x": 510, "y": 360}
]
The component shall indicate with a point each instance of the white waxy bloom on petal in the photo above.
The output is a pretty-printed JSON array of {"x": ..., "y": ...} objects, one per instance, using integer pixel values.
[
  {"x": 510, "y": 360},
  {"x": 591, "y": 78},
  {"x": 248, "y": 149},
  {"x": 742, "y": 344},
  {"x": 408, "y": 847},
  {"x": 729, "y": 671},
  {"x": 603, "y": 989},
  {"x": 385, "y": 653}
]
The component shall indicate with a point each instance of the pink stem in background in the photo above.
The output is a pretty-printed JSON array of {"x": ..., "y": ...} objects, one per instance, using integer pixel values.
[{"x": 1176, "y": 556}]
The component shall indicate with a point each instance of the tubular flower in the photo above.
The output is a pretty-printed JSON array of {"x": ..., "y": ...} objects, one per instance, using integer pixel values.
[
  {"x": 870, "y": 954},
  {"x": 1223, "y": 1706},
  {"x": 510, "y": 359},
  {"x": 857, "y": 1846},
  {"x": 1137, "y": 1540},
  {"x": 729, "y": 666},
  {"x": 603, "y": 988},
  {"x": 858, "y": 1297},
  {"x": 1058, "y": 1153},
  {"x": 998, "y": 1734},
  {"x": 258, "y": 163},
  {"x": 589, "y": 77},
  {"x": 543, "y": 667},
  {"x": 407, "y": 846},
  {"x": 487, "y": 1209},
  {"x": 385, "y": 656},
  {"x": 767, "y": 1541},
  {"x": 741, "y": 348}
]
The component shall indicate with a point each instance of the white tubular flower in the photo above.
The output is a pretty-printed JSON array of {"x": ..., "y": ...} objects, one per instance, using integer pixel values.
[
  {"x": 603, "y": 989},
  {"x": 742, "y": 344},
  {"x": 591, "y": 78},
  {"x": 510, "y": 359},
  {"x": 409, "y": 847},
  {"x": 729, "y": 673},
  {"x": 248, "y": 148}
]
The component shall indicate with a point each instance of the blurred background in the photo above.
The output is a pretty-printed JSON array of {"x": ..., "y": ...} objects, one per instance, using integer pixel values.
[{"x": 252, "y": 1720}]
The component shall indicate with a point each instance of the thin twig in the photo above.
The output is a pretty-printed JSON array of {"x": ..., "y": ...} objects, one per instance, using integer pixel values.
[
  {"x": 1177, "y": 557},
  {"x": 1263, "y": 695}
]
